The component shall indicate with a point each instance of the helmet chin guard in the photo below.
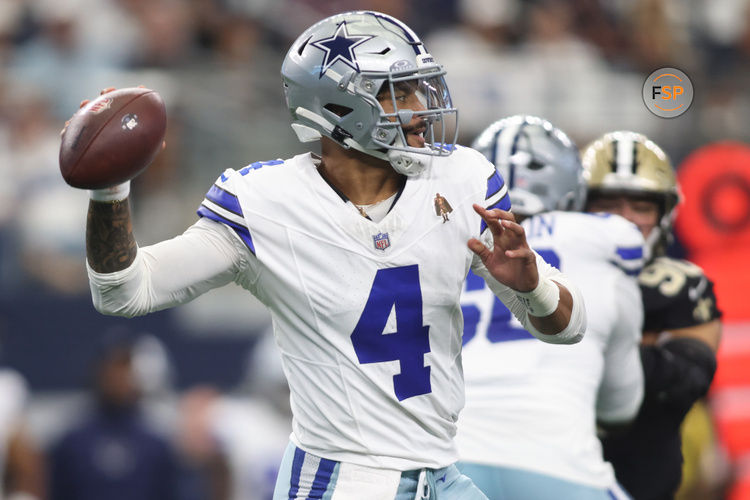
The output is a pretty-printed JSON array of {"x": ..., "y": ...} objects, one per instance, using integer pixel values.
[{"x": 406, "y": 162}]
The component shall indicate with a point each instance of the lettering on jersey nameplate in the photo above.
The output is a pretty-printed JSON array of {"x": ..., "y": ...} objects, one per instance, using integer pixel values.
[
  {"x": 442, "y": 207},
  {"x": 381, "y": 241}
]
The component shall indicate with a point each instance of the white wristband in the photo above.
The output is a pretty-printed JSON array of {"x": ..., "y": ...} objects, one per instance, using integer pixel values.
[
  {"x": 542, "y": 300},
  {"x": 111, "y": 194}
]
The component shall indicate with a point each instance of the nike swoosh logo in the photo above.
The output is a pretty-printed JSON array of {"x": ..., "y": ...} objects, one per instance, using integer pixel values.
[{"x": 694, "y": 292}]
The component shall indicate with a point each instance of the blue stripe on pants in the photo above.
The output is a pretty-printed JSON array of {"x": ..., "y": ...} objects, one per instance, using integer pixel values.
[
  {"x": 322, "y": 478},
  {"x": 299, "y": 459}
]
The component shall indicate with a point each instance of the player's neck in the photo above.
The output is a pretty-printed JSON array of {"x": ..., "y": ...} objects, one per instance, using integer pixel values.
[{"x": 362, "y": 178}]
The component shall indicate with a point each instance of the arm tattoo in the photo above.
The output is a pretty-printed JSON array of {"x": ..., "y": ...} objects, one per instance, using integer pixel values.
[{"x": 110, "y": 244}]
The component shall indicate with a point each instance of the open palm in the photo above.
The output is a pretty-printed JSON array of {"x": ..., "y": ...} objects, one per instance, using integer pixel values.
[{"x": 510, "y": 261}]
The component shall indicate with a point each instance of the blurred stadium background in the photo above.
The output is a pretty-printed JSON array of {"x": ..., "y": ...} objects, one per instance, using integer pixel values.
[{"x": 580, "y": 64}]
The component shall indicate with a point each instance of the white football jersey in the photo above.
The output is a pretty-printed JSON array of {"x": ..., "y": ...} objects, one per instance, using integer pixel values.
[
  {"x": 366, "y": 314},
  {"x": 534, "y": 406}
]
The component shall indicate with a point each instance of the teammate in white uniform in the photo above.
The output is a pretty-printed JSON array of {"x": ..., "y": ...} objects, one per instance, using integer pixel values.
[
  {"x": 360, "y": 255},
  {"x": 529, "y": 426}
]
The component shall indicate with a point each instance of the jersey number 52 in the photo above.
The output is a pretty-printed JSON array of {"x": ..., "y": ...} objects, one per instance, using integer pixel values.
[{"x": 502, "y": 326}]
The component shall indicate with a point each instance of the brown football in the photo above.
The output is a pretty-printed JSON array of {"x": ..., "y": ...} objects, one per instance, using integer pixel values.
[{"x": 113, "y": 138}]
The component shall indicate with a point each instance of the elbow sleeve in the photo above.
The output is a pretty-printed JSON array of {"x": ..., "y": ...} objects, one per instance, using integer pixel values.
[{"x": 121, "y": 293}]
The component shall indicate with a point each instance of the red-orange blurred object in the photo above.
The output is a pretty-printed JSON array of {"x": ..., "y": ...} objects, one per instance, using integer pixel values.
[{"x": 713, "y": 222}]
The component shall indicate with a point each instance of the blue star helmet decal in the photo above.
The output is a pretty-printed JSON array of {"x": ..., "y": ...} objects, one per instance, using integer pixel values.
[{"x": 339, "y": 47}]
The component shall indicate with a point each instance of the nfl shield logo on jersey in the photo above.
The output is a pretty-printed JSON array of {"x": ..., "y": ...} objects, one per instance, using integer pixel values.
[{"x": 381, "y": 241}]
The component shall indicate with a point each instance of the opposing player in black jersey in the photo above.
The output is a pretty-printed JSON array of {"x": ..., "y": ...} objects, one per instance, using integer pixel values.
[{"x": 629, "y": 175}]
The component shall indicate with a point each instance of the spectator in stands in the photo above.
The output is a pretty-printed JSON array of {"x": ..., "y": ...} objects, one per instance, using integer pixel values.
[{"x": 113, "y": 454}]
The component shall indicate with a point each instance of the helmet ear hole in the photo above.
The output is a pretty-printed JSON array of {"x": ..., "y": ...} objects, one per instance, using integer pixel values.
[
  {"x": 337, "y": 109},
  {"x": 535, "y": 165}
]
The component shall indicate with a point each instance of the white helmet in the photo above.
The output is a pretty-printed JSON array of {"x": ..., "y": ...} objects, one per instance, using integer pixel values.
[
  {"x": 334, "y": 71},
  {"x": 539, "y": 163}
]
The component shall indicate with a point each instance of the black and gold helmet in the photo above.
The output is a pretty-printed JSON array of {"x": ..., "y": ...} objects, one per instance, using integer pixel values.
[{"x": 628, "y": 163}]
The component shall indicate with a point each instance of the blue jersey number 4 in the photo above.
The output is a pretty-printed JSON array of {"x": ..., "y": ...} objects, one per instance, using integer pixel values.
[{"x": 396, "y": 288}]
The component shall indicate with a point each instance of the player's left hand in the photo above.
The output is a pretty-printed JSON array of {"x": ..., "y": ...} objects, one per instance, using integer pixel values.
[{"x": 510, "y": 261}]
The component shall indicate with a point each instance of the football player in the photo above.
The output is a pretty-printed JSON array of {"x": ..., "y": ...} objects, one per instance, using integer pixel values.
[
  {"x": 361, "y": 275},
  {"x": 629, "y": 175},
  {"x": 529, "y": 426}
]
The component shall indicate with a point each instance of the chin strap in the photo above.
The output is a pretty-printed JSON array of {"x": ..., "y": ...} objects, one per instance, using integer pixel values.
[
  {"x": 652, "y": 242},
  {"x": 406, "y": 163},
  {"x": 403, "y": 162}
]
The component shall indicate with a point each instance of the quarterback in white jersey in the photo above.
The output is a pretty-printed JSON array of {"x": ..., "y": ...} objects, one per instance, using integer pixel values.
[
  {"x": 529, "y": 425},
  {"x": 365, "y": 313},
  {"x": 360, "y": 255}
]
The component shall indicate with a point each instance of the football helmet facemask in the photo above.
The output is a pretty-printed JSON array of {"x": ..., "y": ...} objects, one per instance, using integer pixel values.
[
  {"x": 625, "y": 163},
  {"x": 334, "y": 72},
  {"x": 538, "y": 161}
]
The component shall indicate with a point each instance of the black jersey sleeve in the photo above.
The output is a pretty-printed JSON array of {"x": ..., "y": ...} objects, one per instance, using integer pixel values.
[
  {"x": 676, "y": 294},
  {"x": 677, "y": 373},
  {"x": 646, "y": 455}
]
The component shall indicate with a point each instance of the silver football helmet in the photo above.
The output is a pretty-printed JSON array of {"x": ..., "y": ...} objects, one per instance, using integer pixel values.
[
  {"x": 539, "y": 163},
  {"x": 628, "y": 163},
  {"x": 334, "y": 72}
]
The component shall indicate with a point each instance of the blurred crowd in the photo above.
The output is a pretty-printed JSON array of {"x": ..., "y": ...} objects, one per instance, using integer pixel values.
[
  {"x": 216, "y": 63},
  {"x": 580, "y": 64},
  {"x": 132, "y": 434}
]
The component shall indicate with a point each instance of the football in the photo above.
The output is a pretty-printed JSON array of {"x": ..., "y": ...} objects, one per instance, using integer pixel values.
[{"x": 113, "y": 138}]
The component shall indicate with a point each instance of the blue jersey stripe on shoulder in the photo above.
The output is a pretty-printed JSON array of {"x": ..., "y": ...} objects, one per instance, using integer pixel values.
[
  {"x": 242, "y": 231},
  {"x": 635, "y": 271},
  {"x": 630, "y": 253},
  {"x": 503, "y": 204},
  {"x": 224, "y": 199},
  {"x": 494, "y": 184},
  {"x": 259, "y": 164},
  {"x": 444, "y": 146}
]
